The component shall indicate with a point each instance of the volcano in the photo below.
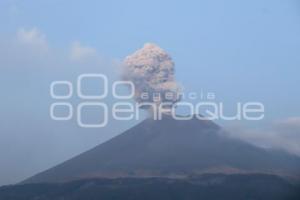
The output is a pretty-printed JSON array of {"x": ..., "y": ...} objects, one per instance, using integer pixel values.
[{"x": 171, "y": 148}]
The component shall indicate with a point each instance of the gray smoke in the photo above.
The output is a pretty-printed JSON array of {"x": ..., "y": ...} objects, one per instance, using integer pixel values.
[
  {"x": 283, "y": 134},
  {"x": 151, "y": 70}
]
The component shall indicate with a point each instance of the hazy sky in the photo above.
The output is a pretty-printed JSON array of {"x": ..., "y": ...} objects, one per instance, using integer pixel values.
[{"x": 240, "y": 50}]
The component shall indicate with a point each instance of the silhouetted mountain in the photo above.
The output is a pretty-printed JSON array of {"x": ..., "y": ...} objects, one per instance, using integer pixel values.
[
  {"x": 171, "y": 148},
  {"x": 208, "y": 186}
]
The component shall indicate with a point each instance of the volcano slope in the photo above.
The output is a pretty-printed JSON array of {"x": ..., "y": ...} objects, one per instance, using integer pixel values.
[{"x": 172, "y": 149}]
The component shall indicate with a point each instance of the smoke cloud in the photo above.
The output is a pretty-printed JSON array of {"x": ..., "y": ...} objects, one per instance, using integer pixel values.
[
  {"x": 283, "y": 134},
  {"x": 151, "y": 70}
]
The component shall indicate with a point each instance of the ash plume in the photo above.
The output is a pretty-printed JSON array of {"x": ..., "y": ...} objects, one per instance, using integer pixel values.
[{"x": 151, "y": 70}]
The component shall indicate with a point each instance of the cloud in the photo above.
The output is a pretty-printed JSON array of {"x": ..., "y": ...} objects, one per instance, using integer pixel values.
[
  {"x": 290, "y": 122},
  {"x": 33, "y": 38},
  {"x": 30, "y": 47},
  {"x": 152, "y": 71},
  {"x": 283, "y": 135},
  {"x": 79, "y": 52}
]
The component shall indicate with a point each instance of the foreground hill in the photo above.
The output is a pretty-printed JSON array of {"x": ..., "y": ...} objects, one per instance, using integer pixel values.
[{"x": 208, "y": 186}]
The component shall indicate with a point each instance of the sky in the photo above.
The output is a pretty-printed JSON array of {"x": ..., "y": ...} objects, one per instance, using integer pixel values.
[{"x": 239, "y": 50}]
